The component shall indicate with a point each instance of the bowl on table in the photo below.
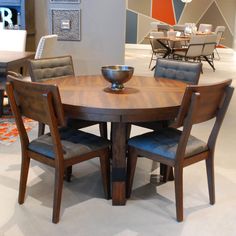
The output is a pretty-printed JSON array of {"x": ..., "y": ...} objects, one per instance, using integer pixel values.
[{"x": 117, "y": 75}]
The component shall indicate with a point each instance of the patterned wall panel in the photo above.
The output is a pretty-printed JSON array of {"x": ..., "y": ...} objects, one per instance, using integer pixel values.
[
  {"x": 227, "y": 10},
  {"x": 141, "y": 6},
  {"x": 131, "y": 27},
  {"x": 216, "y": 12},
  {"x": 178, "y": 8},
  {"x": 143, "y": 30},
  {"x": 163, "y": 10},
  {"x": 193, "y": 11},
  {"x": 213, "y": 16}
]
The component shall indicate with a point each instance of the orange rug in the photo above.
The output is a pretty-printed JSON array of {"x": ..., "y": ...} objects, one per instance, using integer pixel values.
[{"x": 8, "y": 130}]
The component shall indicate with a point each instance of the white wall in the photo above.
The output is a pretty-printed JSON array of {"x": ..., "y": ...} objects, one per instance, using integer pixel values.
[{"x": 102, "y": 34}]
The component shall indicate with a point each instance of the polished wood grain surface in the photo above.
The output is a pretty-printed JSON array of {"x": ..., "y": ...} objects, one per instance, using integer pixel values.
[
  {"x": 8, "y": 58},
  {"x": 143, "y": 99}
]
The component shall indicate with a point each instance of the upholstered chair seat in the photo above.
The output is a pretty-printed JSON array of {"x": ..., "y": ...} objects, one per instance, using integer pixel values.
[
  {"x": 74, "y": 143},
  {"x": 165, "y": 143}
]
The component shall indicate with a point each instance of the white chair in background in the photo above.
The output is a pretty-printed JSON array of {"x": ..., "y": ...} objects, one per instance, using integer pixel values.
[
  {"x": 205, "y": 28},
  {"x": 219, "y": 32},
  {"x": 163, "y": 28},
  {"x": 46, "y": 46},
  {"x": 154, "y": 25},
  {"x": 13, "y": 40},
  {"x": 157, "y": 46},
  {"x": 194, "y": 49},
  {"x": 208, "y": 49}
]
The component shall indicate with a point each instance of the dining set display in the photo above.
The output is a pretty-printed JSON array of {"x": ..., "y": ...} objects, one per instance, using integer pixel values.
[
  {"x": 55, "y": 101},
  {"x": 185, "y": 42}
]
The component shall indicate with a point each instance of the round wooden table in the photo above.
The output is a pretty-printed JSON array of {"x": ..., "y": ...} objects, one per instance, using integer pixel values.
[{"x": 143, "y": 99}]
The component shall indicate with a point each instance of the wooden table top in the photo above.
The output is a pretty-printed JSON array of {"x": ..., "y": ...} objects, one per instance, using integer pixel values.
[
  {"x": 7, "y": 57},
  {"x": 143, "y": 99}
]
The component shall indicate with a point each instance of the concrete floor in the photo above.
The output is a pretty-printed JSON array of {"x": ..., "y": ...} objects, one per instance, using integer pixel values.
[{"x": 151, "y": 209}]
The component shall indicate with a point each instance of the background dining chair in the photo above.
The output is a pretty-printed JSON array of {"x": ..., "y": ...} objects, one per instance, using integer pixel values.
[
  {"x": 157, "y": 48},
  {"x": 62, "y": 146},
  {"x": 187, "y": 72},
  {"x": 208, "y": 49},
  {"x": 163, "y": 28},
  {"x": 46, "y": 46},
  {"x": 154, "y": 25},
  {"x": 194, "y": 49},
  {"x": 179, "y": 28},
  {"x": 205, "y": 28},
  {"x": 220, "y": 32},
  {"x": 173, "y": 45},
  {"x": 179, "y": 149},
  {"x": 55, "y": 68}
]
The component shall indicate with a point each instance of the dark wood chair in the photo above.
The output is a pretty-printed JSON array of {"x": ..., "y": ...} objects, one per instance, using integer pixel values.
[
  {"x": 187, "y": 72},
  {"x": 62, "y": 147},
  {"x": 54, "y": 68},
  {"x": 179, "y": 149}
]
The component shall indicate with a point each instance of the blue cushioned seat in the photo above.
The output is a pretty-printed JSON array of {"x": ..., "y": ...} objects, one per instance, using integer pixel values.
[
  {"x": 74, "y": 142},
  {"x": 165, "y": 143}
]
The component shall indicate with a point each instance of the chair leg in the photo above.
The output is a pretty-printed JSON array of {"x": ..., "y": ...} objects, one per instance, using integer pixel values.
[
  {"x": 58, "y": 185},
  {"x": 211, "y": 63},
  {"x": 128, "y": 131},
  {"x": 217, "y": 53},
  {"x": 166, "y": 172},
  {"x": 210, "y": 179},
  {"x": 179, "y": 193},
  {"x": 103, "y": 129},
  {"x": 151, "y": 60},
  {"x": 41, "y": 129},
  {"x": 105, "y": 171},
  {"x": 23, "y": 178},
  {"x": 131, "y": 165},
  {"x": 68, "y": 173}
]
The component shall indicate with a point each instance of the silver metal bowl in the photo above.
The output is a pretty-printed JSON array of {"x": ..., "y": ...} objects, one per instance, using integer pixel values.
[{"x": 117, "y": 75}]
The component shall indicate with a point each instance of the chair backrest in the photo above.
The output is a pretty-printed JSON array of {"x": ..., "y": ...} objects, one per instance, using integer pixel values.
[
  {"x": 154, "y": 43},
  {"x": 179, "y": 28},
  {"x": 188, "y": 72},
  {"x": 195, "y": 46},
  {"x": 13, "y": 40},
  {"x": 154, "y": 25},
  {"x": 37, "y": 101},
  {"x": 209, "y": 44},
  {"x": 50, "y": 68},
  {"x": 200, "y": 104},
  {"x": 219, "y": 31},
  {"x": 173, "y": 44},
  {"x": 46, "y": 46},
  {"x": 163, "y": 28},
  {"x": 205, "y": 28},
  {"x": 211, "y": 101}
]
